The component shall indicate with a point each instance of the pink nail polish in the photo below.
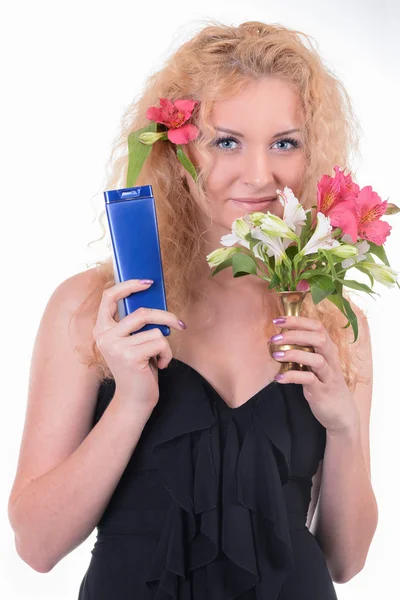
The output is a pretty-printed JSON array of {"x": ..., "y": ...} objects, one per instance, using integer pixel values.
[
  {"x": 279, "y": 320},
  {"x": 276, "y": 337}
]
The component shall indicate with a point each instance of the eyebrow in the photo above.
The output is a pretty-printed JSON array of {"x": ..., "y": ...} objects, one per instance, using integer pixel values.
[{"x": 225, "y": 130}]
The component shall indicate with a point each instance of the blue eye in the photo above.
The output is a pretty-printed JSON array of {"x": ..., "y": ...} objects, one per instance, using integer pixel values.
[
  {"x": 225, "y": 144},
  {"x": 294, "y": 143},
  {"x": 219, "y": 141}
]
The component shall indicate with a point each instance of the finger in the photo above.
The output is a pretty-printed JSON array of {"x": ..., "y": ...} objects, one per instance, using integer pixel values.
[
  {"x": 303, "y": 338},
  {"x": 302, "y": 377},
  {"x": 142, "y": 337},
  {"x": 109, "y": 304},
  {"x": 316, "y": 361},
  {"x": 143, "y": 316},
  {"x": 297, "y": 322},
  {"x": 157, "y": 349}
]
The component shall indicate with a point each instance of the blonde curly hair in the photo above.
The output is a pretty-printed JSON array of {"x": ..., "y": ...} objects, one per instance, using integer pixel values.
[{"x": 216, "y": 63}]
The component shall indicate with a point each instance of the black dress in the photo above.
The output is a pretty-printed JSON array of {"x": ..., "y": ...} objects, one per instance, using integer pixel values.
[{"x": 213, "y": 502}]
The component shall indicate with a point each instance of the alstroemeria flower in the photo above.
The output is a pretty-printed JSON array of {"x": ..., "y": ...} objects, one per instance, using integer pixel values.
[
  {"x": 370, "y": 208},
  {"x": 174, "y": 116},
  {"x": 321, "y": 239},
  {"x": 382, "y": 273},
  {"x": 274, "y": 226},
  {"x": 361, "y": 247},
  {"x": 344, "y": 251},
  {"x": 148, "y": 138},
  {"x": 336, "y": 200},
  {"x": 218, "y": 256},
  {"x": 273, "y": 244},
  {"x": 303, "y": 286},
  {"x": 239, "y": 230},
  {"x": 294, "y": 214}
]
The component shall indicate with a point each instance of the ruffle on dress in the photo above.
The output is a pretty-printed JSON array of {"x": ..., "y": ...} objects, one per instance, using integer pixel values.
[{"x": 227, "y": 525}]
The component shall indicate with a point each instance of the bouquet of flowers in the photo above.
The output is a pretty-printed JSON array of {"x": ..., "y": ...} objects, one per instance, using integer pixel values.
[{"x": 300, "y": 255}]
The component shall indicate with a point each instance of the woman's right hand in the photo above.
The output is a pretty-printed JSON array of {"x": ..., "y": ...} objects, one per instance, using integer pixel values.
[{"x": 133, "y": 359}]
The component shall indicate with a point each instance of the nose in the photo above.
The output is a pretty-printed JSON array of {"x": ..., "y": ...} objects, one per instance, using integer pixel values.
[{"x": 258, "y": 171}]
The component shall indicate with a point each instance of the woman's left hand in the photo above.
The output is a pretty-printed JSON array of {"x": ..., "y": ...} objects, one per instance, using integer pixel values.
[{"x": 324, "y": 387}]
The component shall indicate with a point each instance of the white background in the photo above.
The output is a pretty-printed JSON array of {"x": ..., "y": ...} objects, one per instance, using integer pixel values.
[{"x": 69, "y": 70}]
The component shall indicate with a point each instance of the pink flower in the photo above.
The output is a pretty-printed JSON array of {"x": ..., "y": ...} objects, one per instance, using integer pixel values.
[
  {"x": 370, "y": 208},
  {"x": 303, "y": 286},
  {"x": 336, "y": 200},
  {"x": 174, "y": 115}
]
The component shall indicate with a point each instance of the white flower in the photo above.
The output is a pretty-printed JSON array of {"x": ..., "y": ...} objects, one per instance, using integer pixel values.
[
  {"x": 344, "y": 251},
  {"x": 294, "y": 214},
  {"x": 240, "y": 229},
  {"x": 216, "y": 257},
  {"x": 275, "y": 227},
  {"x": 361, "y": 247},
  {"x": 150, "y": 137},
  {"x": 274, "y": 244},
  {"x": 321, "y": 239},
  {"x": 255, "y": 218},
  {"x": 382, "y": 273}
]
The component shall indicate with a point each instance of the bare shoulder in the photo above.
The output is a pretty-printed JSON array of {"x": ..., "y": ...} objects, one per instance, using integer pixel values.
[{"x": 62, "y": 390}]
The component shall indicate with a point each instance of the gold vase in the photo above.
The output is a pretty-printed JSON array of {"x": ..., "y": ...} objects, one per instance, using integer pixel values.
[{"x": 291, "y": 306}]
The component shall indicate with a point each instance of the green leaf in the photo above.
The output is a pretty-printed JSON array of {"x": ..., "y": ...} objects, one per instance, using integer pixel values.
[
  {"x": 223, "y": 265},
  {"x": 379, "y": 251},
  {"x": 291, "y": 251},
  {"x": 312, "y": 273},
  {"x": 364, "y": 270},
  {"x": 243, "y": 264},
  {"x": 337, "y": 300},
  {"x": 321, "y": 287},
  {"x": 351, "y": 317},
  {"x": 345, "y": 308},
  {"x": 137, "y": 153},
  {"x": 184, "y": 160},
  {"x": 356, "y": 285},
  {"x": 305, "y": 230},
  {"x": 328, "y": 257},
  {"x": 275, "y": 280}
]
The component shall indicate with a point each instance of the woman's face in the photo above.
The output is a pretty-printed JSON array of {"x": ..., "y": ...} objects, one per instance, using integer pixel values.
[{"x": 258, "y": 149}]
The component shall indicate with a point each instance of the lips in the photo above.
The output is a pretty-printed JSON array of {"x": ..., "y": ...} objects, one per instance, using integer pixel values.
[
  {"x": 255, "y": 200},
  {"x": 253, "y": 204}
]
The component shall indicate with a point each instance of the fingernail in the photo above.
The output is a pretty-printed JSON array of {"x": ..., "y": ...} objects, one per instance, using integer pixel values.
[
  {"x": 279, "y": 376},
  {"x": 279, "y": 320},
  {"x": 182, "y": 324},
  {"x": 276, "y": 337},
  {"x": 144, "y": 281},
  {"x": 278, "y": 354}
]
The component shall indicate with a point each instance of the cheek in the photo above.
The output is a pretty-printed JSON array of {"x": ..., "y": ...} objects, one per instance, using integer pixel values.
[
  {"x": 222, "y": 173},
  {"x": 294, "y": 172}
]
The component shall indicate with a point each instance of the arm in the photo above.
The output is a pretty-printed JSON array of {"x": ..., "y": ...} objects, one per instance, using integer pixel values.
[
  {"x": 57, "y": 511},
  {"x": 347, "y": 513},
  {"x": 67, "y": 471}
]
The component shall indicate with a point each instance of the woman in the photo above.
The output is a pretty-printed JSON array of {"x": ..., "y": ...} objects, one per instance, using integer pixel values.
[{"x": 199, "y": 469}]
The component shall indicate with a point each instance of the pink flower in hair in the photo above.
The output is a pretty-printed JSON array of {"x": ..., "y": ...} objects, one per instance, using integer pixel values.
[{"x": 175, "y": 115}]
